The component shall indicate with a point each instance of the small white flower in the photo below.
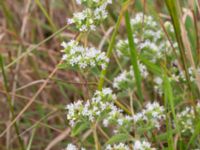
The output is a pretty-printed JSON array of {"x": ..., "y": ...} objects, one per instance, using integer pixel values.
[
  {"x": 158, "y": 80},
  {"x": 94, "y": 13},
  {"x": 126, "y": 79},
  {"x": 70, "y": 21},
  {"x": 120, "y": 146},
  {"x": 71, "y": 147},
  {"x": 105, "y": 122},
  {"x": 142, "y": 145},
  {"x": 152, "y": 114}
]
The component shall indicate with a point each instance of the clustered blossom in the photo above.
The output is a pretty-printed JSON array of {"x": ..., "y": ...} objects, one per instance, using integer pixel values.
[
  {"x": 116, "y": 117},
  {"x": 73, "y": 147},
  {"x": 126, "y": 78},
  {"x": 191, "y": 75},
  {"x": 120, "y": 146},
  {"x": 150, "y": 116},
  {"x": 83, "y": 57},
  {"x": 186, "y": 120},
  {"x": 94, "y": 13},
  {"x": 151, "y": 43},
  {"x": 148, "y": 37},
  {"x": 142, "y": 145},
  {"x": 100, "y": 103},
  {"x": 137, "y": 145},
  {"x": 158, "y": 85}
]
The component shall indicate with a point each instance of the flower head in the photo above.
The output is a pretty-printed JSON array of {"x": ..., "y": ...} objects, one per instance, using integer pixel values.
[{"x": 82, "y": 57}]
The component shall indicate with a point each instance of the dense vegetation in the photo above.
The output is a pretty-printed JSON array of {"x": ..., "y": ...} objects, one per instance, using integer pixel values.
[{"x": 100, "y": 74}]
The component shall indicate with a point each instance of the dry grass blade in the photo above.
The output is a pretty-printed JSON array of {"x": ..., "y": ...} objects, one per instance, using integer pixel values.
[
  {"x": 57, "y": 139},
  {"x": 35, "y": 47},
  {"x": 31, "y": 101},
  {"x": 189, "y": 53}
]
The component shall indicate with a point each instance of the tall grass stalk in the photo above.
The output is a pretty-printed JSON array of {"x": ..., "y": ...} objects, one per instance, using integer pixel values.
[
  {"x": 174, "y": 11},
  {"x": 133, "y": 54},
  {"x": 29, "y": 50},
  {"x": 112, "y": 43},
  {"x": 11, "y": 107},
  {"x": 53, "y": 26}
]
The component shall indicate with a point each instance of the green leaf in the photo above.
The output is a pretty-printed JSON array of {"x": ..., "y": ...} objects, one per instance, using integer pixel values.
[
  {"x": 194, "y": 135},
  {"x": 134, "y": 58},
  {"x": 164, "y": 136},
  {"x": 112, "y": 43},
  {"x": 79, "y": 127},
  {"x": 175, "y": 13},
  {"x": 122, "y": 137},
  {"x": 151, "y": 66},
  {"x": 169, "y": 100}
]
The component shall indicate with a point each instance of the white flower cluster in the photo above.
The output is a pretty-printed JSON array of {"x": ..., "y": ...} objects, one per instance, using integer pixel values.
[
  {"x": 101, "y": 103},
  {"x": 142, "y": 145},
  {"x": 152, "y": 116},
  {"x": 120, "y": 146},
  {"x": 82, "y": 57},
  {"x": 148, "y": 37},
  {"x": 186, "y": 120},
  {"x": 100, "y": 108},
  {"x": 158, "y": 85},
  {"x": 73, "y": 147},
  {"x": 191, "y": 75},
  {"x": 137, "y": 145},
  {"x": 116, "y": 117},
  {"x": 126, "y": 78},
  {"x": 94, "y": 13}
]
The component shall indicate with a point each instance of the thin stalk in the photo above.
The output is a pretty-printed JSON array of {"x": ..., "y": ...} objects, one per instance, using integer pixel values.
[
  {"x": 122, "y": 107},
  {"x": 35, "y": 96},
  {"x": 131, "y": 102},
  {"x": 31, "y": 138},
  {"x": 134, "y": 58},
  {"x": 169, "y": 101},
  {"x": 29, "y": 50},
  {"x": 112, "y": 42},
  {"x": 174, "y": 11},
  {"x": 53, "y": 26},
  {"x": 96, "y": 140},
  {"x": 11, "y": 107}
]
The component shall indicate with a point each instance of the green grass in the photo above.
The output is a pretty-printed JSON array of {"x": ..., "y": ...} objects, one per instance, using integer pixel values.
[{"x": 27, "y": 61}]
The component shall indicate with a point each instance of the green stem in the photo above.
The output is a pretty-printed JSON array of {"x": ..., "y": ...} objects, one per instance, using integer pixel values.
[
  {"x": 35, "y": 47},
  {"x": 174, "y": 11},
  {"x": 133, "y": 56},
  {"x": 112, "y": 42},
  {"x": 94, "y": 129},
  {"x": 11, "y": 107}
]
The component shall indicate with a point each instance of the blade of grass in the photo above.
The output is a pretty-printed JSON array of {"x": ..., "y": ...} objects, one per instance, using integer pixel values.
[
  {"x": 8, "y": 15},
  {"x": 194, "y": 135},
  {"x": 58, "y": 139},
  {"x": 174, "y": 10},
  {"x": 31, "y": 101},
  {"x": 151, "y": 66},
  {"x": 31, "y": 138},
  {"x": 112, "y": 42},
  {"x": 35, "y": 96},
  {"x": 11, "y": 107},
  {"x": 167, "y": 98},
  {"x": 134, "y": 58},
  {"x": 29, "y": 50},
  {"x": 53, "y": 26}
]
